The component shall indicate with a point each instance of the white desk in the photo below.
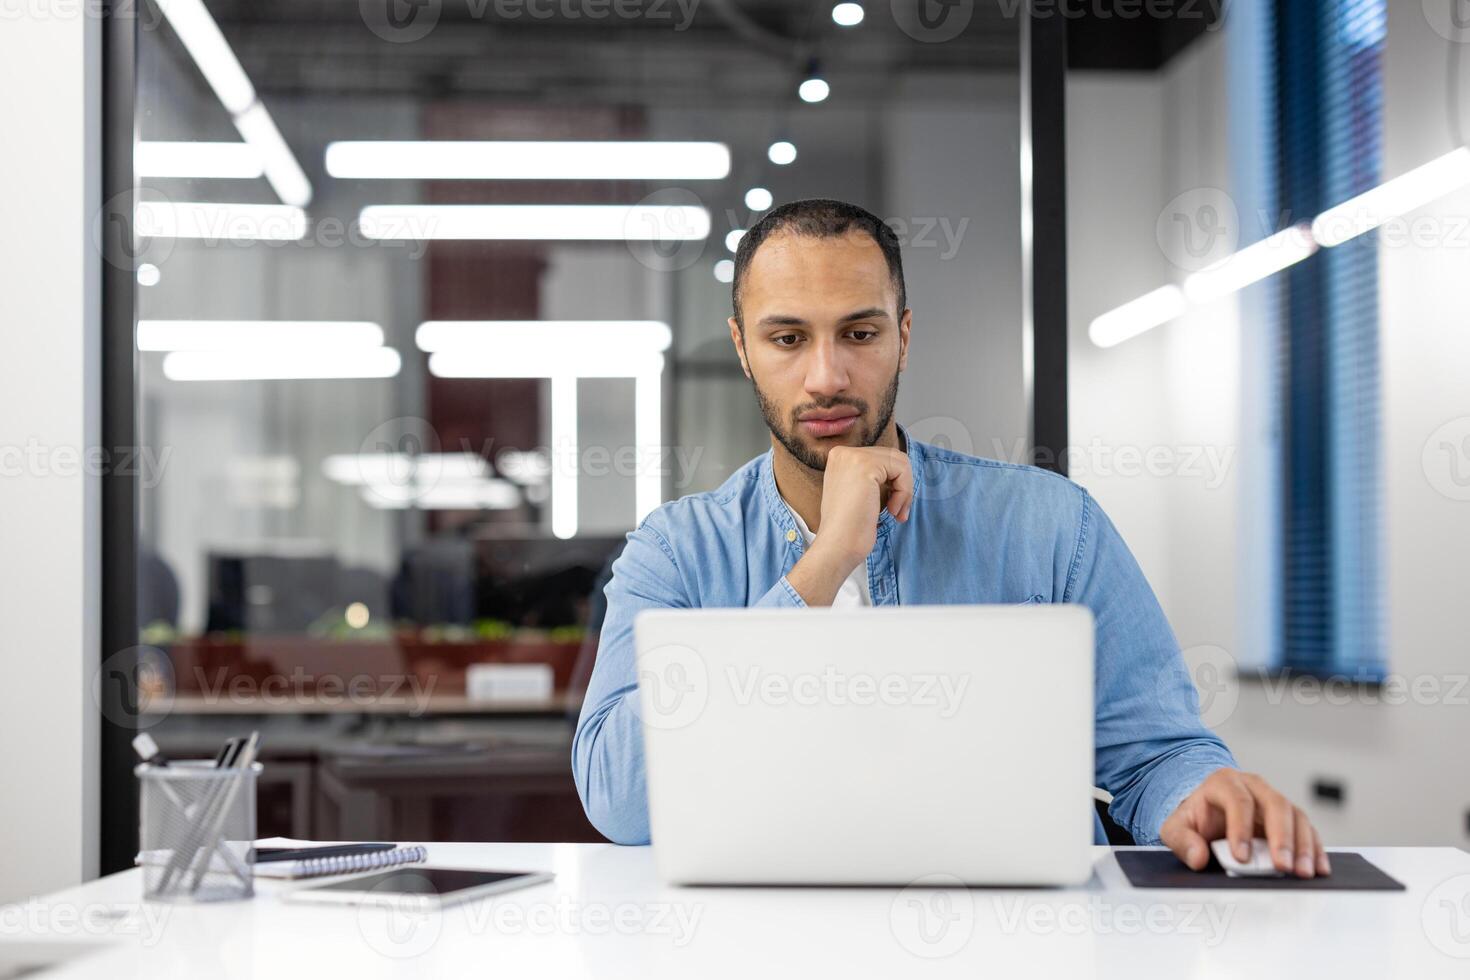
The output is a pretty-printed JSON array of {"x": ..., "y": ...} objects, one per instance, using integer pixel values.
[{"x": 606, "y": 915}]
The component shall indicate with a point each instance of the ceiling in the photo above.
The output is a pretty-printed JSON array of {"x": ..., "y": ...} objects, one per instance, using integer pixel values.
[{"x": 659, "y": 52}]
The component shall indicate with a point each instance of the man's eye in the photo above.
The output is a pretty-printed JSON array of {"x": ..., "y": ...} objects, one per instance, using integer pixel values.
[
  {"x": 781, "y": 341},
  {"x": 862, "y": 334}
]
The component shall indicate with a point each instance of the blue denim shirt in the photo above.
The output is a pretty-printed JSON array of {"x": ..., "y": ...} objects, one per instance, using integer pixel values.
[{"x": 979, "y": 531}]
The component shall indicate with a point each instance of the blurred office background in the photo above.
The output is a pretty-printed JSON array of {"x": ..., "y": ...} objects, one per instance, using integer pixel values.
[
  {"x": 433, "y": 528},
  {"x": 396, "y": 573}
]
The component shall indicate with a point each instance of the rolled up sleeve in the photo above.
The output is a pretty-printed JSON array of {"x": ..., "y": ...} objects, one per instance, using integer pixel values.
[
  {"x": 1152, "y": 749},
  {"x": 607, "y": 750}
]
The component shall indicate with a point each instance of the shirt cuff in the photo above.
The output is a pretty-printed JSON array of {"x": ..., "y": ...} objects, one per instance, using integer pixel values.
[
  {"x": 1175, "y": 778},
  {"x": 781, "y": 596}
]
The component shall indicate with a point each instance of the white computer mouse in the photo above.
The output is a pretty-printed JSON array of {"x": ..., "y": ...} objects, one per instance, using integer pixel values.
[{"x": 1259, "y": 865}]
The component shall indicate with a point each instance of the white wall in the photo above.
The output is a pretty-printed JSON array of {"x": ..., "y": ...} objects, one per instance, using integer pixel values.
[
  {"x": 1136, "y": 142},
  {"x": 49, "y": 509}
]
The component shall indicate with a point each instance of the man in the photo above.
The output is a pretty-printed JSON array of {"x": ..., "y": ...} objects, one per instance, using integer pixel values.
[{"x": 846, "y": 509}]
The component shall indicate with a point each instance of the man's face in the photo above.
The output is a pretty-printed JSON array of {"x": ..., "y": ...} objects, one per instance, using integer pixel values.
[{"x": 822, "y": 341}]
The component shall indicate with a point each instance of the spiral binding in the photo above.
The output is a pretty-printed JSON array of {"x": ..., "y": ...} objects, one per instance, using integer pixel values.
[{"x": 343, "y": 864}]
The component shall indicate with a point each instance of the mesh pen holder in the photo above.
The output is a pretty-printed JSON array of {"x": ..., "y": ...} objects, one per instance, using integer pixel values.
[{"x": 197, "y": 830}]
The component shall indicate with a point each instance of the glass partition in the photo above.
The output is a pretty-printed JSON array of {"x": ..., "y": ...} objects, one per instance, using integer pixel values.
[{"x": 431, "y": 312}]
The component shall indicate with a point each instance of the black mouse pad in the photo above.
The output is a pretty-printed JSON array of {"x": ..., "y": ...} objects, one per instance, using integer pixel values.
[{"x": 1161, "y": 869}]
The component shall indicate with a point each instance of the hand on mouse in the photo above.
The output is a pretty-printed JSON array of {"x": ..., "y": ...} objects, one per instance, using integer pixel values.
[{"x": 1238, "y": 806}]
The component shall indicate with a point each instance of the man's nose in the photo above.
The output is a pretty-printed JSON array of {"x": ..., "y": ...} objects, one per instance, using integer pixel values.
[{"x": 826, "y": 372}]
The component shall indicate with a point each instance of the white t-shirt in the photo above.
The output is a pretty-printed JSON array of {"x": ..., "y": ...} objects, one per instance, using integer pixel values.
[{"x": 854, "y": 590}]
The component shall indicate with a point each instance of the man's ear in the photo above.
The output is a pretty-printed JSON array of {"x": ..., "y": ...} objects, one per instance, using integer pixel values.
[
  {"x": 904, "y": 323},
  {"x": 738, "y": 339}
]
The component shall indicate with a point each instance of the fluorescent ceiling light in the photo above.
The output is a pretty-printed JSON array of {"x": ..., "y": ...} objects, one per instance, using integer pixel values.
[
  {"x": 1251, "y": 264},
  {"x": 1137, "y": 316},
  {"x": 201, "y": 36},
  {"x": 274, "y": 365},
  {"x": 528, "y": 160},
  {"x": 847, "y": 14},
  {"x": 486, "y": 494},
  {"x": 204, "y": 161},
  {"x": 565, "y": 351},
  {"x": 725, "y": 270},
  {"x": 536, "y": 222},
  {"x": 285, "y": 175},
  {"x": 149, "y": 274},
  {"x": 1393, "y": 198},
  {"x": 219, "y": 222},
  {"x": 540, "y": 337},
  {"x": 732, "y": 240},
  {"x": 286, "y": 336},
  {"x": 758, "y": 199},
  {"x": 549, "y": 364},
  {"x": 401, "y": 469}
]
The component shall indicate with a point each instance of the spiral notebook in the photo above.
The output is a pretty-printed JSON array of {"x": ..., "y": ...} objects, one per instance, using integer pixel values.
[{"x": 341, "y": 865}]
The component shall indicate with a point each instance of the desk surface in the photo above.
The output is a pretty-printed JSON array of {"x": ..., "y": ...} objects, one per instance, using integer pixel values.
[{"x": 606, "y": 915}]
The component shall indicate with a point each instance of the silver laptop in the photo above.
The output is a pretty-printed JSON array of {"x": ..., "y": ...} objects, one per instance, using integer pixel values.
[{"x": 883, "y": 746}]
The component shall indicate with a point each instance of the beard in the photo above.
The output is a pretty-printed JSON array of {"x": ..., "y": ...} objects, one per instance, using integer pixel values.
[{"x": 809, "y": 456}]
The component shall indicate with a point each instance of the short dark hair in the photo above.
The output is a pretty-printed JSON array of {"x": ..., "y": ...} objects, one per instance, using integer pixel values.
[{"x": 817, "y": 217}]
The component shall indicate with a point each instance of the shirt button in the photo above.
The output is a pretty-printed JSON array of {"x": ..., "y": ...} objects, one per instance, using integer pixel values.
[{"x": 790, "y": 535}]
